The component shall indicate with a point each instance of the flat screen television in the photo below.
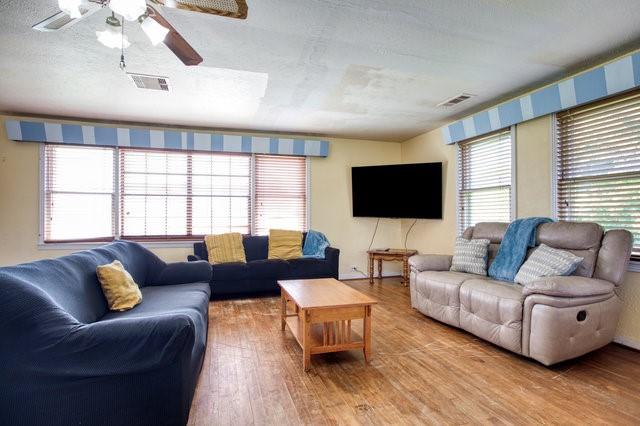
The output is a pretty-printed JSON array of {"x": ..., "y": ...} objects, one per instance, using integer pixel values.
[{"x": 412, "y": 191}]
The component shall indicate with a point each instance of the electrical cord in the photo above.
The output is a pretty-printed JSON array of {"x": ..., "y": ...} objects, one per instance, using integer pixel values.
[
  {"x": 374, "y": 234},
  {"x": 407, "y": 235}
]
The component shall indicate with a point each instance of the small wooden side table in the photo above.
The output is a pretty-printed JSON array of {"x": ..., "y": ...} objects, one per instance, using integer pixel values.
[{"x": 392, "y": 255}]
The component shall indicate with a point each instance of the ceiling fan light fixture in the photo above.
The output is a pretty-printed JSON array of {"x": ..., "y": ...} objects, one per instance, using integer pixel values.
[
  {"x": 71, "y": 8},
  {"x": 154, "y": 31},
  {"x": 131, "y": 10},
  {"x": 113, "y": 39}
]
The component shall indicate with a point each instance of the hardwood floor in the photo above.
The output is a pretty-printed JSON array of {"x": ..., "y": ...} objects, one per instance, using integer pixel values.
[{"x": 422, "y": 372}]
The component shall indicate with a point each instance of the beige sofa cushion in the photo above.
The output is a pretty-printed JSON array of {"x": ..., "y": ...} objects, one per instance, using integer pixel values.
[
  {"x": 439, "y": 294},
  {"x": 492, "y": 310}
]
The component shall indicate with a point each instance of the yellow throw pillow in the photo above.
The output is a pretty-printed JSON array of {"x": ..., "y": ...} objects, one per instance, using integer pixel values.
[
  {"x": 118, "y": 286},
  {"x": 225, "y": 248},
  {"x": 285, "y": 244}
]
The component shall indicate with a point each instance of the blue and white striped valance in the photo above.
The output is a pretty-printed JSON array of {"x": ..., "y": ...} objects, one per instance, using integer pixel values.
[
  {"x": 609, "y": 79},
  {"x": 93, "y": 134}
]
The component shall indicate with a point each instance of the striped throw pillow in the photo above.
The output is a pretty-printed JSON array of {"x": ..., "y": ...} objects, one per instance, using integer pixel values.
[
  {"x": 547, "y": 262},
  {"x": 470, "y": 256},
  {"x": 225, "y": 248}
]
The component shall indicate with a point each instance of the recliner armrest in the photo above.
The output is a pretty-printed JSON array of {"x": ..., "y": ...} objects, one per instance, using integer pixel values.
[
  {"x": 571, "y": 286},
  {"x": 430, "y": 262}
]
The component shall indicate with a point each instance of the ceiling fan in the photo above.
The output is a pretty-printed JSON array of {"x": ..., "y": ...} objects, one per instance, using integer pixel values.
[{"x": 155, "y": 26}]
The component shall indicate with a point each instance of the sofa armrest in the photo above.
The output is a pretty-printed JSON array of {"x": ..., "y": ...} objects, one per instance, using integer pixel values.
[
  {"x": 123, "y": 346},
  {"x": 571, "y": 286},
  {"x": 332, "y": 255},
  {"x": 430, "y": 262},
  {"x": 193, "y": 258},
  {"x": 183, "y": 273}
]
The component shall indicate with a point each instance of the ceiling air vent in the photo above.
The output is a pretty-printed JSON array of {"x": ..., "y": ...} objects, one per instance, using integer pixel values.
[
  {"x": 61, "y": 20},
  {"x": 455, "y": 100},
  {"x": 151, "y": 82}
]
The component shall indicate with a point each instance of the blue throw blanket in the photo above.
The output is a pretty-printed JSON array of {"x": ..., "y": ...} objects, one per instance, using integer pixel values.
[
  {"x": 520, "y": 235},
  {"x": 314, "y": 245}
]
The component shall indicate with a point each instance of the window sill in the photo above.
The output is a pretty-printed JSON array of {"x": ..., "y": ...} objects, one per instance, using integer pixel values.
[{"x": 88, "y": 246}]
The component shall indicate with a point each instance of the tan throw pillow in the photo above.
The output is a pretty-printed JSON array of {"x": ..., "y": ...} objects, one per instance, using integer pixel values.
[
  {"x": 285, "y": 244},
  {"x": 225, "y": 248},
  {"x": 119, "y": 288}
]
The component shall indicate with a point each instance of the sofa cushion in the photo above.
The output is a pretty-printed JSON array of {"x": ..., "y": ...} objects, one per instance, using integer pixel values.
[
  {"x": 256, "y": 269},
  {"x": 309, "y": 267},
  {"x": 439, "y": 291},
  {"x": 583, "y": 239},
  {"x": 188, "y": 299},
  {"x": 256, "y": 248},
  {"x": 492, "y": 310}
]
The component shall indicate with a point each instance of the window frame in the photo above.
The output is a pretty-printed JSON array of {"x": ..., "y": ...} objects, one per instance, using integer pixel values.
[
  {"x": 150, "y": 242},
  {"x": 513, "y": 187},
  {"x": 634, "y": 264}
]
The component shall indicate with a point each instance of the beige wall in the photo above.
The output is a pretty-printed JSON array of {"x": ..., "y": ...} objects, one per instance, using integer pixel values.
[
  {"x": 533, "y": 198},
  {"x": 330, "y": 203}
]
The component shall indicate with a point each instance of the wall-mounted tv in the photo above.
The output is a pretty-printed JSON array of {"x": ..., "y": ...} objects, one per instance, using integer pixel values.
[{"x": 412, "y": 191}]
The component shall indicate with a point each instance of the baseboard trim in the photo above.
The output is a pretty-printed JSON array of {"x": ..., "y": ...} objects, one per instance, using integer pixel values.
[
  {"x": 358, "y": 276},
  {"x": 624, "y": 341}
]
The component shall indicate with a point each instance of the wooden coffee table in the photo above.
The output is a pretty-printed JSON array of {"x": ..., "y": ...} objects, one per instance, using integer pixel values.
[{"x": 322, "y": 314}]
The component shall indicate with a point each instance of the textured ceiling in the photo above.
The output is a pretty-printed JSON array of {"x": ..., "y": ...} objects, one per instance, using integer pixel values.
[{"x": 350, "y": 68}]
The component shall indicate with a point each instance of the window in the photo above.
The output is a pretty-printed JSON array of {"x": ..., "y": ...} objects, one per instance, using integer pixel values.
[
  {"x": 485, "y": 180},
  {"x": 168, "y": 195},
  {"x": 280, "y": 193},
  {"x": 79, "y": 194},
  {"x": 98, "y": 194},
  {"x": 598, "y": 164}
]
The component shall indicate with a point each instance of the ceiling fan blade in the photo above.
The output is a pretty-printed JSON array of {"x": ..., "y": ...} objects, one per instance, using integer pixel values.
[
  {"x": 229, "y": 8},
  {"x": 175, "y": 42}
]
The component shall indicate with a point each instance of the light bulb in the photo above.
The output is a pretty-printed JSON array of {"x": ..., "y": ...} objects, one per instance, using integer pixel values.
[
  {"x": 131, "y": 10},
  {"x": 113, "y": 39},
  {"x": 71, "y": 7},
  {"x": 154, "y": 31}
]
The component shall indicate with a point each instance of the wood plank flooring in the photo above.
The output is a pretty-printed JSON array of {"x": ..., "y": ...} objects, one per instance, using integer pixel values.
[{"x": 423, "y": 372}]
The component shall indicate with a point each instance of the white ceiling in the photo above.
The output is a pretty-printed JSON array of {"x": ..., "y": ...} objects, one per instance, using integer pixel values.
[{"x": 350, "y": 68}]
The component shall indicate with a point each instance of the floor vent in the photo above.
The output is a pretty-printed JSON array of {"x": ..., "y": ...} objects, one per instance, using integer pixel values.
[
  {"x": 150, "y": 82},
  {"x": 455, "y": 100},
  {"x": 61, "y": 20}
]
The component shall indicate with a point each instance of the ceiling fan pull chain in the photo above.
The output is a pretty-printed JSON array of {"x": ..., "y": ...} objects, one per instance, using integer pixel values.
[{"x": 123, "y": 65}]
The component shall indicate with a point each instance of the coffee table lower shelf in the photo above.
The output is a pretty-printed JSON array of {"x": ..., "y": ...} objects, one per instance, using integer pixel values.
[{"x": 324, "y": 335}]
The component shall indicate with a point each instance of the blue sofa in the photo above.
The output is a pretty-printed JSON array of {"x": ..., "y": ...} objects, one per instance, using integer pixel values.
[
  {"x": 67, "y": 360},
  {"x": 259, "y": 275}
]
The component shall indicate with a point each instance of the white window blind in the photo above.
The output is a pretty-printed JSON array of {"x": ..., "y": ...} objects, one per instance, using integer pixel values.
[
  {"x": 221, "y": 194},
  {"x": 280, "y": 193},
  {"x": 484, "y": 180},
  {"x": 165, "y": 195},
  {"x": 79, "y": 194},
  {"x": 598, "y": 164}
]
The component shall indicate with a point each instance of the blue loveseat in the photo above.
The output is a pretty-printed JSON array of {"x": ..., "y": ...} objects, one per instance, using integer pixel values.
[
  {"x": 259, "y": 276},
  {"x": 65, "y": 359}
]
